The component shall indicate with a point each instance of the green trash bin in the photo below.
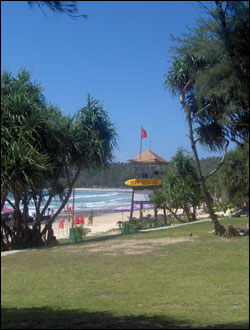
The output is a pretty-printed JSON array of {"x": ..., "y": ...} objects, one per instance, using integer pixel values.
[
  {"x": 128, "y": 226},
  {"x": 75, "y": 235},
  {"x": 132, "y": 230},
  {"x": 72, "y": 235},
  {"x": 124, "y": 228},
  {"x": 78, "y": 233}
]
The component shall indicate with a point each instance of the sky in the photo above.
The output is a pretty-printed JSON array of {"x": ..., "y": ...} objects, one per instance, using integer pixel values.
[{"x": 119, "y": 54}]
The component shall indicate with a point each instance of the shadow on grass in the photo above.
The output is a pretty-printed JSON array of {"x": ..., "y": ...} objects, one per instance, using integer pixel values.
[
  {"x": 90, "y": 239},
  {"x": 46, "y": 318}
]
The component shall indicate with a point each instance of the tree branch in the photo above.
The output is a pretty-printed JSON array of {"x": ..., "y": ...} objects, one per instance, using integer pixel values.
[
  {"x": 197, "y": 140},
  {"x": 174, "y": 214},
  {"x": 38, "y": 2},
  {"x": 186, "y": 86},
  {"x": 220, "y": 163},
  {"x": 203, "y": 109},
  {"x": 71, "y": 186},
  {"x": 210, "y": 12}
]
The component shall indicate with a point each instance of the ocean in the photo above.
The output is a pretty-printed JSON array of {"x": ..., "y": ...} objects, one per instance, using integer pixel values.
[
  {"x": 103, "y": 200},
  {"x": 99, "y": 200}
]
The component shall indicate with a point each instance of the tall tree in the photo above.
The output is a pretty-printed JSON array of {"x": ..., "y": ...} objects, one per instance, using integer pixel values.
[
  {"x": 180, "y": 80},
  {"x": 68, "y": 145},
  {"x": 231, "y": 183},
  {"x": 202, "y": 77},
  {"x": 181, "y": 187},
  {"x": 220, "y": 45}
]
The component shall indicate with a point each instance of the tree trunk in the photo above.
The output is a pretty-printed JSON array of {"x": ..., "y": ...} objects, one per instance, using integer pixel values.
[
  {"x": 17, "y": 241},
  {"x": 194, "y": 214},
  {"x": 187, "y": 211},
  {"x": 4, "y": 193},
  {"x": 132, "y": 204},
  {"x": 155, "y": 213},
  {"x": 219, "y": 229},
  {"x": 165, "y": 215},
  {"x": 231, "y": 231},
  {"x": 176, "y": 217}
]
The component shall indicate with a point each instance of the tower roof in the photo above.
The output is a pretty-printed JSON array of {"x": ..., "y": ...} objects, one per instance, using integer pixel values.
[{"x": 148, "y": 158}]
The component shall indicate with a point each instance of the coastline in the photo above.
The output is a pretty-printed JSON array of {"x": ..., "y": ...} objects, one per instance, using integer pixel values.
[
  {"x": 105, "y": 189},
  {"x": 98, "y": 209},
  {"x": 103, "y": 222}
]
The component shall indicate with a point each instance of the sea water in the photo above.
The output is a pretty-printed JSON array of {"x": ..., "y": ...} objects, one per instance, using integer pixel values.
[
  {"x": 90, "y": 200},
  {"x": 96, "y": 200}
]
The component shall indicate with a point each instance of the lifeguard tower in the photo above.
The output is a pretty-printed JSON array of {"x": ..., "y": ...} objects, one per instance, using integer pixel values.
[{"x": 147, "y": 176}]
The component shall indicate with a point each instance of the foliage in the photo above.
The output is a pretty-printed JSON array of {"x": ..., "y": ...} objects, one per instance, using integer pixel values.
[
  {"x": 69, "y": 8},
  {"x": 93, "y": 126},
  {"x": 231, "y": 183},
  {"x": 83, "y": 231},
  {"x": 214, "y": 114},
  {"x": 22, "y": 161},
  {"x": 66, "y": 145},
  {"x": 116, "y": 173},
  {"x": 181, "y": 187},
  {"x": 214, "y": 60},
  {"x": 145, "y": 223}
]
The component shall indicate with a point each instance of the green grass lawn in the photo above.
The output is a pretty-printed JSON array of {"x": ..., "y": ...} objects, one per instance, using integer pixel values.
[{"x": 156, "y": 280}]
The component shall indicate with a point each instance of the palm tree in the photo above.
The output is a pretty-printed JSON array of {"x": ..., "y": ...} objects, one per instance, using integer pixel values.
[
  {"x": 22, "y": 163},
  {"x": 180, "y": 81},
  {"x": 40, "y": 146},
  {"x": 90, "y": 142},
  {"x": 180, "y": 188}
]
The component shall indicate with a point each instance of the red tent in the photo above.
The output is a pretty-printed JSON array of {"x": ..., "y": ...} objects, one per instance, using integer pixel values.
[
  {"x": 61, "y": 223},
  {"x": 76, "y": 220},
  {"x": 81, "y": 220}
]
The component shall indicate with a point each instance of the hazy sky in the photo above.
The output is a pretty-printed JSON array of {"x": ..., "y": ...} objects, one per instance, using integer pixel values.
[{"x": 120, "y": 55}]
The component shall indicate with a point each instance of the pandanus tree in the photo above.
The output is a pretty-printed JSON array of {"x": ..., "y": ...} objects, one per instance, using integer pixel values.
[
  {"x": 231, "y": 183},
  {"x": 181, "y": 189},
  {"x": 210, "y": 74},
  {"x": 22, "y": 163},
  {"x": 222, "y": 41},
  {"x": 40, "y": 146},
  {"x": 180, "y": 81}
]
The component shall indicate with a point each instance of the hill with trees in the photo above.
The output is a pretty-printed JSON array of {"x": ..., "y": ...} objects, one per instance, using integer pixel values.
[{"x": 115, "y": 174}]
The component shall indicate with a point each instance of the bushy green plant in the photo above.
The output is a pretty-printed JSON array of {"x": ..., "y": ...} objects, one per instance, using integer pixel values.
[{"x": 83, "y": 231}]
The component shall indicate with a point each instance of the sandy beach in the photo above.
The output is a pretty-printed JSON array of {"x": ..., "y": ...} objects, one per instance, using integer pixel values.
[{"x": 102, "y": 223}]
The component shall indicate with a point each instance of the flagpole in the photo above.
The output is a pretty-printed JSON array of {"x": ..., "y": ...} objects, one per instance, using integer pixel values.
[{"x": 141, "y": 145}]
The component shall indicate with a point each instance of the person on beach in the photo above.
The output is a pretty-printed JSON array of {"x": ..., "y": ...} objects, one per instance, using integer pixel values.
[
  {"x": 90, "y": 218},
  {"x": 51, "y": 239}
]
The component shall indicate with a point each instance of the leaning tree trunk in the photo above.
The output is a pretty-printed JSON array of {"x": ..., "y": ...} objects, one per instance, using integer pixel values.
[
  {"x": 219, "y": 229},
  {"x": 175, "y": 216},
  {"x": 187, "y": 211}
]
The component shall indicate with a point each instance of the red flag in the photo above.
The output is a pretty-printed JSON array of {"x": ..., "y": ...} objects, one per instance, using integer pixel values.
[
  {"x": 69, "y": 208},
  {"x": 143, "y": 133}
]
